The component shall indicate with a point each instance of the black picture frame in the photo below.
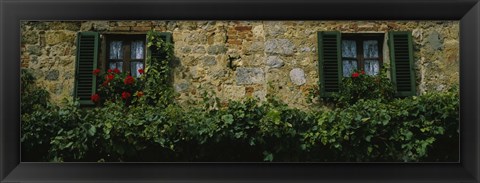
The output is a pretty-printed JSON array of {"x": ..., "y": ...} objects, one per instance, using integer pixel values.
[{"x": 13, "y": 11}]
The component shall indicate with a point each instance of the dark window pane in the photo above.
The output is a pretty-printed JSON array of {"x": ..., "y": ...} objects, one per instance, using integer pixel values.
[
  {"x": 372, "y": 67},
  {"x": 116, "y": 51},
  {"x": 349, "y": 48},
  {"x": 137, "y": 50},
  {"x": 370, "y": 49},
  {"x": 348, "y": 67}
]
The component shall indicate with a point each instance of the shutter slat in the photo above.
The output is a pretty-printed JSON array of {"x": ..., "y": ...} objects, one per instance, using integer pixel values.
[
  {"x": 401, "y": 56},
  {"x": 87, "y": 55}
]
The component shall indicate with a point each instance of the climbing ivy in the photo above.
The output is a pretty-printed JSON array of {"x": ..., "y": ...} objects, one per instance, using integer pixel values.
[{"x": 158, "y": 87}]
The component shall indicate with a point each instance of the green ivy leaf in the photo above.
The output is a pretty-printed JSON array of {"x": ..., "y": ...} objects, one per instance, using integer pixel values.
[
  {"x": 228, "y": 119},
  {"x": 268, "y": 156},
  {"x": 91, "y": 131}
]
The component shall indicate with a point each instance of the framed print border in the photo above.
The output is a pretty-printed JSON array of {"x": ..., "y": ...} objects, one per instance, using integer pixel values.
[{"x": 14, "y": 11}]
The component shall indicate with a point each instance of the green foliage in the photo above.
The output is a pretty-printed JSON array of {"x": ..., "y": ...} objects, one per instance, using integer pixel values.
[
  {"x": 158, "y": 88},
  {"x": 369, "y": 130},
  {"x": 32, "y": 96},
  {"x": 400, "y": 130},
  {"x": 363, "y": 86}
]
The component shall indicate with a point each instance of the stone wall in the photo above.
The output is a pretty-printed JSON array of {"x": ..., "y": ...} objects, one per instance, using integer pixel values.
[{"x": 236, "y": 59}]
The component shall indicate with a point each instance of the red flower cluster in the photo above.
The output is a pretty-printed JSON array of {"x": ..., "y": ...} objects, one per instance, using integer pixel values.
[
  {"x": 96, "y": 71},
  {"x": 126, "y": 95},
  {"x": 356, "y": 74},
  {"x": 110, "y": 87},
  {"x": 129, "y": 80},
  {"x": 116, "y": 71},
  {"x": 109, "y": 77},
  {"x": 95, "y": 98}
]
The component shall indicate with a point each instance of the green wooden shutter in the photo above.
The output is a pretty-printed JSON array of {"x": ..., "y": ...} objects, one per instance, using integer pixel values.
[
  {"x": 330, "y": 62},
  {"x": 165, "y": 36},
  {"x": 401, "y": 57},
  {"x": 87, "y": 55}
]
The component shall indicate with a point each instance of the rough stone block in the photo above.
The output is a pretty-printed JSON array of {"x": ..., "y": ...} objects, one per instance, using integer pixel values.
[
  {"x": 275, "y": 28},
  {"x": 209, "y": 61},
  {"x": 196, "y": 38},
  {"x": 144, "y": 24},
  {"x": 140, "y": 29},
  {"x": 30, "y": 38},
  {"x": 199, "y": 49},
  {"x": 234, "y": 41},
  {"x": 126, "y": 23},
  {"x": 274, "y": 62},
  {"x": 256, "y": 46},
  {"x": 434, "y": 40},
  {"x": 100, "y": 25},
  {"x": 52, "y": 75},
  {"x": 279, "y": 46},
  {"x": 233, "y": 92},
  {"x": 181, "y": 87},
  {"x": 246, "y": 75},
  {"x": 34, "y": 50},
  {"x": 243, "y": 28},
  {"x": 120, "y": 28},
  {"x": 217, "y": 49},
  {"x": 56, "y": 37},
  {"x": 72, "y": 26},
  {"x": 297, "y": 76}
]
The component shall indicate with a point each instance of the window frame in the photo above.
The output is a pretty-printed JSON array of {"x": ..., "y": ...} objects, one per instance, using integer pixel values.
[
  {"x": 107, "y": 37},
  {"x": 359, "y": 38}
]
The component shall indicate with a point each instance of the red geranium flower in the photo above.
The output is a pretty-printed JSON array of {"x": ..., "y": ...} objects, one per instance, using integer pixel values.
[
  {"x": 125, "y": 95},
  {"x": 139, "y": 94},
  {"x": 105, "y": 83},
  {"x": 363, "y": 72},
  {"x": 96, "y": 71},
  {"x": 140, "y": 71},
  {"x": 116, "y": 71},
  {"x": 355, "y": 74},
  {"x": 95, "y": 98},
  {"x": 129, "y": 80},
  {"x": 109, "y": 77},
  {"x": 109, "y": 71}
]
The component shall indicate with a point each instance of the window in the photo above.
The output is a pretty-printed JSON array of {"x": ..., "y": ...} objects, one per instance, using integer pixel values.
[
  {"x": 362, "y": 52},
  {"x": 339, "y": 54},
  {"x": 127, "y": 52}
]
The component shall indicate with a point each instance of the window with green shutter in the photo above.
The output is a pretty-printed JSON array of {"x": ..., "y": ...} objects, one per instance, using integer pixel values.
[
  {"x": 340, "y": 54},
  {"x": 126, "y": 52},
  {"x": 86, "y": 62},
  {"x": 401, "y": 57}
]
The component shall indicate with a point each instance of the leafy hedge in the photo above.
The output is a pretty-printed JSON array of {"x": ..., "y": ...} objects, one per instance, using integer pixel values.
[{"x": 423, "y": 128}]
